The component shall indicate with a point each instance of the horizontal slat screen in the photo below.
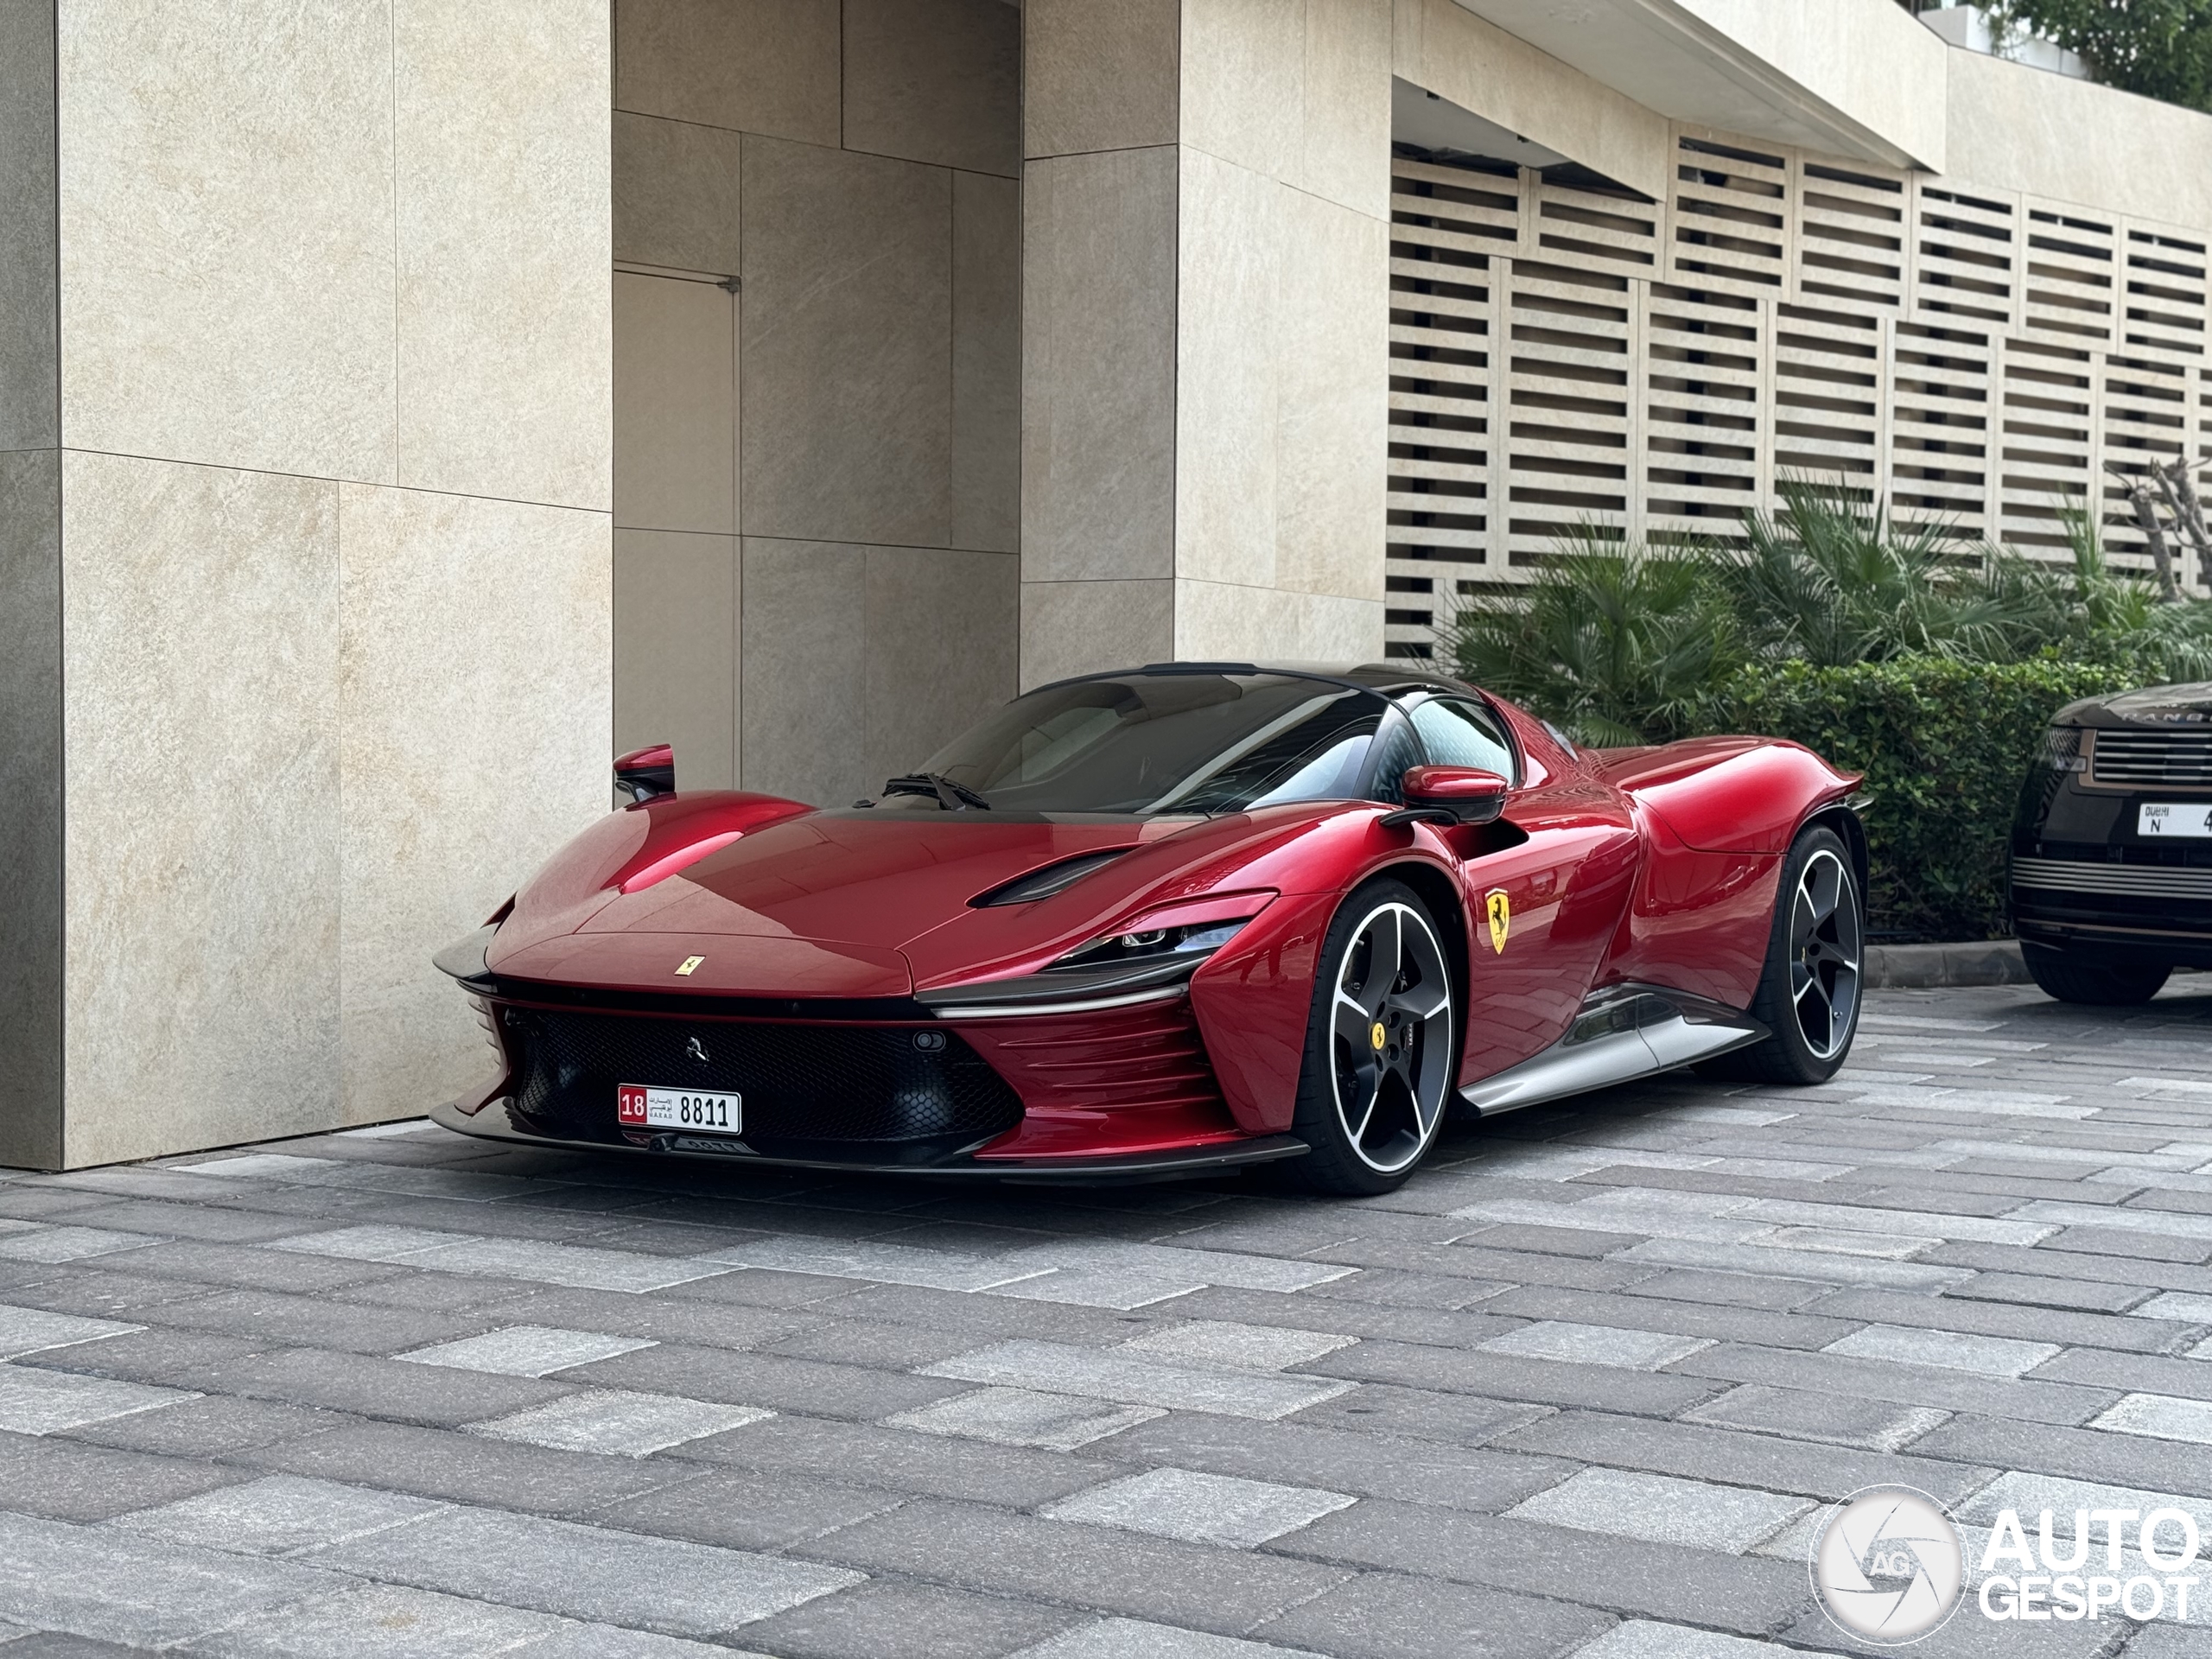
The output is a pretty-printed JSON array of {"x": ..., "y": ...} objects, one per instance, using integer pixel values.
[{"x": 1566, "y": 353}]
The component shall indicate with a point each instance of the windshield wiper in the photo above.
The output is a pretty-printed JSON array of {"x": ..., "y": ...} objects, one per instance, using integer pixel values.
[{"x": 951, "y": 796}]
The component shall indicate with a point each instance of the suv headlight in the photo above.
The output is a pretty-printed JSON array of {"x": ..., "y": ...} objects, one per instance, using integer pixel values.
[{"x": 2061, "y": 749}]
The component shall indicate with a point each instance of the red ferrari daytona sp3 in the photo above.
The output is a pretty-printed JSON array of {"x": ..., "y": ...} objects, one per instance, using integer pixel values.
[{"x": 1171, "y": 919}]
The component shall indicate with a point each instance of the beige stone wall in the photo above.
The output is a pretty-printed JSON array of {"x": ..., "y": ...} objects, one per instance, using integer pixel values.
[
  {"x": 1204, "y": 401},
  {"x": 815, "y": 481},
  {"x": 334, "y": 552}
]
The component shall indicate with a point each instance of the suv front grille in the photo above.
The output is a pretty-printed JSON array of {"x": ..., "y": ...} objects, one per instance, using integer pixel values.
[
  {"x": 851, "y": 1090},
  {"x": 2149, "y": 759}
]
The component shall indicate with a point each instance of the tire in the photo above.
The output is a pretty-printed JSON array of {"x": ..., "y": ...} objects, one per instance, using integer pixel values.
[
  {"x": 2095, "y": 981},
  {"x": 1809, "y": 994},
  {"x": 1370, "y": 1111}
]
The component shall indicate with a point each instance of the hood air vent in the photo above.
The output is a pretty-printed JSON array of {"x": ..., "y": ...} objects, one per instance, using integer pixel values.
[{"x": 1043, "y": 884}]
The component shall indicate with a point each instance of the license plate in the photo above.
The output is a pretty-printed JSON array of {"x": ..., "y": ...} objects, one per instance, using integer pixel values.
[
  {"x": 678, "y": 1109},
  {"x": 2175, "y": 818}
]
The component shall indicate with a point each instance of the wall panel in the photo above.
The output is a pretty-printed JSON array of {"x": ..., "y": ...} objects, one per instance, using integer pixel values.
[{"x": 1568, "y": 355}]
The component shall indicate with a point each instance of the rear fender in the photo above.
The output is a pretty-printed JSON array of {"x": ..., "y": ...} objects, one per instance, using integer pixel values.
[{"x": 1729, "y": 794}]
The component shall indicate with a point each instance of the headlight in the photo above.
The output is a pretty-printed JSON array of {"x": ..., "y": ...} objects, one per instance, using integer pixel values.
[
  {"x": 1186, "y": 931},
  {"x": 1152, "y": 943},
  {"x": 2061, "y": 749}
]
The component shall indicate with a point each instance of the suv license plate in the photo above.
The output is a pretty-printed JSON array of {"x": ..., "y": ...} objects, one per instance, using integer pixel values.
[
  {"x": 2175, "y": 818},
  {"x": 678, "y": 1109}
]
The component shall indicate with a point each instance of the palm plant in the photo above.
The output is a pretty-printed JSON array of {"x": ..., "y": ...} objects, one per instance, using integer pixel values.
[
  {"x": 1618, "y": 644},
  {"x": 1826, "y": 579}
]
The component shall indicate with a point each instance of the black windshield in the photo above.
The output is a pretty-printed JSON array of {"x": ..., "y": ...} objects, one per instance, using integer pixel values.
[{"x": 1166, "y": 743}]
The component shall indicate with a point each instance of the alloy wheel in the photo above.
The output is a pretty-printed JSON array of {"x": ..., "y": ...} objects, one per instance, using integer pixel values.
[
  {"x": 1391, "y": 1037},
  {"x": 1824, "y": 954}
]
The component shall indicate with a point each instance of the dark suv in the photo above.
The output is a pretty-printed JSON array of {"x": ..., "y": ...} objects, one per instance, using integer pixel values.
[{"x": 2112, "y": 848}]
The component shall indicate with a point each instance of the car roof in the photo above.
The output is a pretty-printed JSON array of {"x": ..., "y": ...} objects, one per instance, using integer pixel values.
[{"x": 1391, "y": 679}]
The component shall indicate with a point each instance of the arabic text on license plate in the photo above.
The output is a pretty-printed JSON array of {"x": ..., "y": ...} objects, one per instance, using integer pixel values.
[
  {"x": 678, "y": 1109},
  {"x": 2192, "y": 818}
]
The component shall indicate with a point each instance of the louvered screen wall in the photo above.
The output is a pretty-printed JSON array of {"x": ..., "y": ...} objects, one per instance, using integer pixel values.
[{"x": 1565, "y": 352}]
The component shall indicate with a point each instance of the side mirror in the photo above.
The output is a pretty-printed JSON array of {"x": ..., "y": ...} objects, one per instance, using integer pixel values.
[
  {"x": 1462, "y": 794},
  {"x": 643, "y": 774}
]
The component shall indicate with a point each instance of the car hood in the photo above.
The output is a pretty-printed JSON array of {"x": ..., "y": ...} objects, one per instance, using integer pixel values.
[
  {"x": 2157, "y": 706},
  {"x": 850, "y": 903}
]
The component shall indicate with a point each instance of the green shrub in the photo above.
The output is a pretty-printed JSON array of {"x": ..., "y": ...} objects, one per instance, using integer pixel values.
[{"x": 1944, "y": 747}]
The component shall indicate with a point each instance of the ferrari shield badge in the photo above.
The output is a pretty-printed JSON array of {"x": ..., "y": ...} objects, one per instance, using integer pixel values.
[
  {"x": 685, "y": 967},
  {"x": 1501, "y": 917}
]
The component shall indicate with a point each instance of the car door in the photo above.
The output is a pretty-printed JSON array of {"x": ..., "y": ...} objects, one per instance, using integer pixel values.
[{"x": 1544, "y": 893}]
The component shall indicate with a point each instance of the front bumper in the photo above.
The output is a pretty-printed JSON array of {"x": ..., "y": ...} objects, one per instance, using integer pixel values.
[{"x": 497, "y": 1121}]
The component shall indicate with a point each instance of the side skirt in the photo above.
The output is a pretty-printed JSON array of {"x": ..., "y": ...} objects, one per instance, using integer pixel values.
[{"x": 1621, "y": 1034}]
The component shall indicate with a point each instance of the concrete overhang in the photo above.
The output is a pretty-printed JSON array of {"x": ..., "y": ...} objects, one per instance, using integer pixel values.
[{"x": 1850, "y": 77}]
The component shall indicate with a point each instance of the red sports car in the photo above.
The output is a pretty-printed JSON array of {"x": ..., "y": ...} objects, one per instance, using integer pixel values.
[{"x": 1168, "y": 920}]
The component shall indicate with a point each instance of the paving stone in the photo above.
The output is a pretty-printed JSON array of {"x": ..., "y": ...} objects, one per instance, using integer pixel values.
[
  {"x": 464, "y": 1468},
  {"x": 1420, "y": 1415},
  {"x": 1133, "y": 1380},
  {"x": 902, "y": 1461},
  {"x": 1637, "y": 1310},
  {"x": 251, "y": 1266},
  {"x": 1199, "y": 1508},
  {"x": 1706, "y": 1453},
  {"x": 914, "y": 1621},
  {"x": 981, "y": 1316},
  {"x": 1622, "y": 1575},
  {"x": 1951, "y": 1350},
  {"x": 877, "y": 1262},
  {"x": 2029, "y": 1495},
  {"x": 276, "y": 1514},
  {"x": 365, "y": 1623},
  {"x": 1132, "y": 1638},
  {"x": 1366, "y": 1465},
  {"x": 1058, "y": 1423},
  {"x": 381, "y": 1387},
  {"x": 1318, "y": 1314},
  {"x": 65, "y": 1480},
  {"x": 525, "y": 1350},
  {"x": 1244, "y": 1271},
  {"x": 2175, "y": 1304},
  {"x": 95, "y": 1582},
  {"x": 615, "y": 1423},
  {"x": 212, "y": 1426},
  {"x": 1110, "y": 1569},
  {"x": 1908, "y": 1385},
  {"x": 2135, "y": 1243},
  {"x": 372, "y": 1243},
  {"x": 1727, "y": 1290},
  {"x": 1509, "y": 1376},
  {"x": 1989, "y": 1319},
  {"x": 2077, "y": 1453},
  {"x": 34, "y": 1402},
  {"x": 1387, "y": 1615},
  {"x": 2186, "y": 1375},
  {"x": 67, "y": 1243},
  {"x": 1826, "y": 1266},
  {"x": 1483, "y": 1260},
  {"x": 756, "y": 1379},
  {"x": 2043, "y": 1291},
  {"x": 588, "y": 1572},
  {"x": 866, "y": 1343},
  {"x": 2160, "y": 1416},
  {"x": 1662, "y": 1509},
  {"x": 273, "y": 1319},
  {"x": 658, "y": 1316},
  {"x": 1595, "y": 1344},
  {"x": 1831, "y": 1419},
  {"x": 741, "y": 1509},
  {"x": 30, "y": 1330},
  {"x": 1243, "y": 1347},
  {"x": 1643, "y": 1639}
]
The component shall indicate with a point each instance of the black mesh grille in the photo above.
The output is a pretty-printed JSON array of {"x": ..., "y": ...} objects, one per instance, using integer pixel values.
[{"x": 870, "y": 1088}]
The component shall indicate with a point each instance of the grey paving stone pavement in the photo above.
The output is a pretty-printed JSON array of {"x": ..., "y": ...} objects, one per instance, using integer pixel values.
[{"x": 1585, "y": 1387}]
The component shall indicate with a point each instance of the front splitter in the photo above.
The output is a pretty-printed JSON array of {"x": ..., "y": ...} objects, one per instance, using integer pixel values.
[{"x": 1172, "y": 1164}]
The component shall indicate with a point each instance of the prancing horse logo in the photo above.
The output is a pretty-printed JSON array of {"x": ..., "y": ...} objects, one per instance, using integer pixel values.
[
  {"x": 697, "y": 1050},
  {"x": 1501, "y": 917}
]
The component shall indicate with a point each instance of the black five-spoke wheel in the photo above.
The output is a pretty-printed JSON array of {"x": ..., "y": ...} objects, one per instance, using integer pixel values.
[{"x": 1380, "y": 1058}]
